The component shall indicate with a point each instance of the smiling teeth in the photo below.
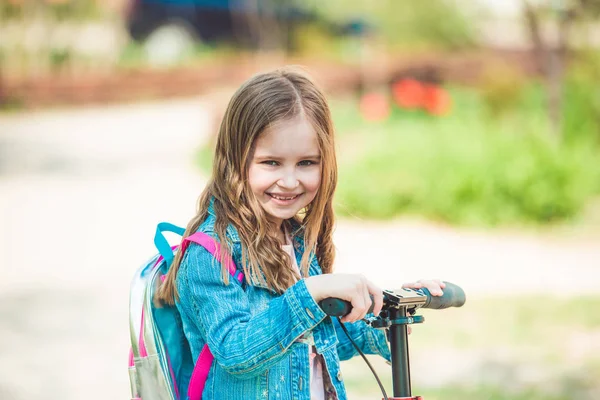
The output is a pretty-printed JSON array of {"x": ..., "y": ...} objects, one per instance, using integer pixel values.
[{"x": 283, "y": 198}]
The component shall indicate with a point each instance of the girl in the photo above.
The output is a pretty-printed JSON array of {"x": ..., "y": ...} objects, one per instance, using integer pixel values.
[{"x": 269, "y": 203}]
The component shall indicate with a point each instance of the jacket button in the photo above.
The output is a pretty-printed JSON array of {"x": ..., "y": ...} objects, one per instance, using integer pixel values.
[
  {"x": 339, "y": 376},
  {"x": 300, "y": 383},
  {"x": 310, "y": 314}
]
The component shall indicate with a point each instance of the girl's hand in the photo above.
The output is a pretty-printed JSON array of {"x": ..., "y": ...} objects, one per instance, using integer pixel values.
[
  {"x": 434, "y": 286},
  {"x": 354, "y": 288}
]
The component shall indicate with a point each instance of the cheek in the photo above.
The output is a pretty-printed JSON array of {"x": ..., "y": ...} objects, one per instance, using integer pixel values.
[
  {"x": 259, "y": 179},
  {"x": 312, "y": 181}
]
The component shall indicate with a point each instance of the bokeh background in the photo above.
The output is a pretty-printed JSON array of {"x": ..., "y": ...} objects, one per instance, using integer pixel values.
[{"x": 468, "y": 139}]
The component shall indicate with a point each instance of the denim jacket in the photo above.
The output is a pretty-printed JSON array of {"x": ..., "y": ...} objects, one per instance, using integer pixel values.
[{"x": 253, "y": 332}]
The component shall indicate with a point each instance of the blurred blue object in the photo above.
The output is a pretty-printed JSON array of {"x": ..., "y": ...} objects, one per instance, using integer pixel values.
[{"x": 246, "y": 23}]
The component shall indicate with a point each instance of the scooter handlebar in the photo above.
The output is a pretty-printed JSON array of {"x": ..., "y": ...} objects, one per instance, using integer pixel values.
[{"x": 454, "y": 296}]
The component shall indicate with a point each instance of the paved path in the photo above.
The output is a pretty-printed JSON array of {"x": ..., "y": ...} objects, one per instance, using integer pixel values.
[{"x": 80, "y": 194}]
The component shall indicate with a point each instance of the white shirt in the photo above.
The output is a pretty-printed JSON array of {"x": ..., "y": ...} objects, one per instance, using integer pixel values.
[{"x": 317, "y": 387}]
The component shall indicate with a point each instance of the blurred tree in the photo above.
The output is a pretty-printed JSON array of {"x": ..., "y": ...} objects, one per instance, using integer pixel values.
[{"x": 551, "y": 54}]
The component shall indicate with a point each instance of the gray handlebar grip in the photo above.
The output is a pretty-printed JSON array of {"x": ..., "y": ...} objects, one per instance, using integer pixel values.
[{"x": 453, "y": 296}]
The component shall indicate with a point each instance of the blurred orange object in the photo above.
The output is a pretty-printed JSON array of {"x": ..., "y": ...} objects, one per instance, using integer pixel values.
[
  {"x": 374, "y": 106},
  {"x": 436, "y": 100},
  {"x": 408, "y": 93}
]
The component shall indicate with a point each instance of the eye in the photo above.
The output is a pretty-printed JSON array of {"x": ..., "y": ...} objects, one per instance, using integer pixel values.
[
  {"x": 272, "y": 163},
  {"x": 306, "y": 163}
]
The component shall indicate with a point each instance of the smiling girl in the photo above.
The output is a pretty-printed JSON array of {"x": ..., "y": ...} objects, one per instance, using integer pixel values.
[{"x": 269, "y": 205}]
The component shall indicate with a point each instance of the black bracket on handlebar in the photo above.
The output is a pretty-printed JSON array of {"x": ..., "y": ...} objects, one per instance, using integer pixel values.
[
  {"x": 393, "y": 300},
  {"x": 384, "y": 323}
]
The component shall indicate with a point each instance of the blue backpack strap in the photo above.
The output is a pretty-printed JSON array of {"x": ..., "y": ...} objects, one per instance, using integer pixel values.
[{"x": 161, "y": 243}]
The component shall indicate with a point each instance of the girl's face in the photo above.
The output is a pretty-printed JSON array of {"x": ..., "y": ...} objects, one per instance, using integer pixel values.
[{"x": 285, "y": 170}]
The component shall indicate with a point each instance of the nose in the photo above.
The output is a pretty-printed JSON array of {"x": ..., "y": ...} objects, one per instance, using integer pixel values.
[{"x": 288, "y": 180}]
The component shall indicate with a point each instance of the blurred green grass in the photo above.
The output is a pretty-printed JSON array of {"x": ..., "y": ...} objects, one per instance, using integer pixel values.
[
  {"x": 524, "y": 347},
  {"x": 470, "y": 167}
]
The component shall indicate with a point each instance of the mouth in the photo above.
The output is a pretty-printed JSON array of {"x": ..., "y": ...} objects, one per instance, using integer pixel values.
[{"x": 285, "y": 198}]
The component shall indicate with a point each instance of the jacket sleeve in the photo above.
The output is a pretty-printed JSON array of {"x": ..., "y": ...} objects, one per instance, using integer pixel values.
[
  {"x": 369, "y": 340},
  {"x": 245, "y": 344}
]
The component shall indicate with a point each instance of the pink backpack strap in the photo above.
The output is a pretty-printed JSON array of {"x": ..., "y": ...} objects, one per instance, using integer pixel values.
[{"x": 204, "y": 361}]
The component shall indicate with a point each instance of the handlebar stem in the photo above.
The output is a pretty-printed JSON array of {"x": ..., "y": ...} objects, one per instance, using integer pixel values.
[{"x": 398, "y": 337}]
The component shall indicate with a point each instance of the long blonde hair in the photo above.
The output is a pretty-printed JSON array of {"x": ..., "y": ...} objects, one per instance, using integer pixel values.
[{"x": 263, "y": 100}]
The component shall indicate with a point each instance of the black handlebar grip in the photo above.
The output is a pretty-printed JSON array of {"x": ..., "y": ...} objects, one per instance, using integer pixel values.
[
  {"x": 337, "y": 307},
  {"x": 453, "y": 296}
]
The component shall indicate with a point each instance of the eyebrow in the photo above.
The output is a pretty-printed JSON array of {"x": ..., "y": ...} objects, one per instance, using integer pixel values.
[{"x": 276, "y": 158}]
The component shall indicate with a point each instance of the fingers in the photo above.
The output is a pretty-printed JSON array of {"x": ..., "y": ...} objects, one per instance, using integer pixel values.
[
  {"x": 368, "y": 302},
  {"x": 359, "y": 307},
  {"x": 366, "y": 294},
  {"x": 377, "y": 294},
  {"x": 412, "y": 285},
  {"x": 356, "y": 297},
  {"x": 434, "y": 286}
]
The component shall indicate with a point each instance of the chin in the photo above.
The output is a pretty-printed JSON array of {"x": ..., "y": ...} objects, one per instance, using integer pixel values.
[{"x": 283, "y": 216}]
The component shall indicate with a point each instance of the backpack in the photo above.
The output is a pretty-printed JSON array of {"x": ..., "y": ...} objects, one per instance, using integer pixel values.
[{"x": 160, "y": 360}]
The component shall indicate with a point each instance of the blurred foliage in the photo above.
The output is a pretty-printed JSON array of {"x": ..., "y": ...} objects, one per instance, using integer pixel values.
[
  {"x": 501, "y": 87},
  {"x": 466, "y": 168},
  {"x": 407, "y": 24},
  {"x": 581, "y": 113},
  {"x": 54, "y": 37},
  {"x": 34, "y": 30},
  {"x": 59, "y": 9}
]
